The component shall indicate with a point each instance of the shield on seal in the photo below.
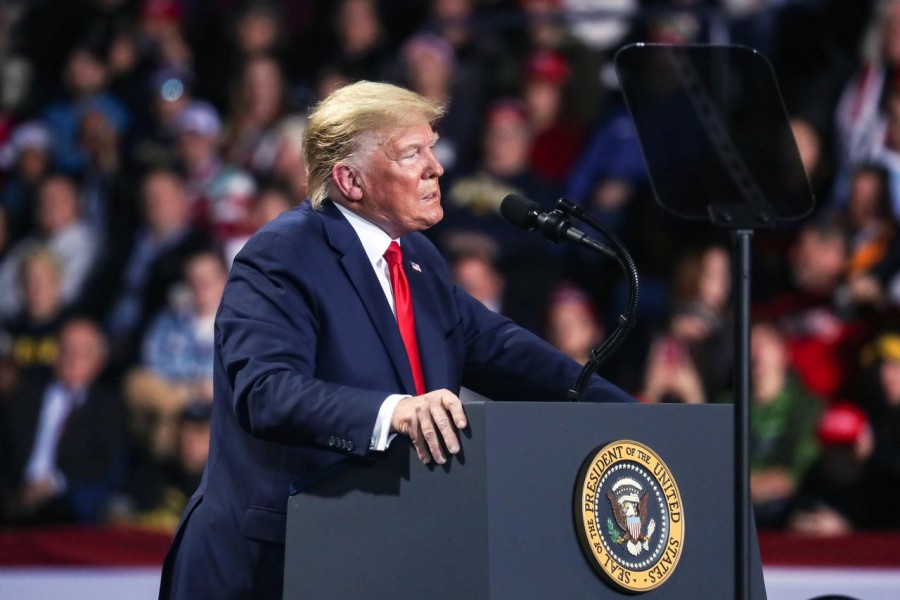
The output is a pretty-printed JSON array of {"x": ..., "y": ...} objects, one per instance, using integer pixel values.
[{"x": 634, "y": 527}]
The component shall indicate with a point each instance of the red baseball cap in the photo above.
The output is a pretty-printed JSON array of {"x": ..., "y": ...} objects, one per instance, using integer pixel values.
[
  {"x": 547, "y": 65},
  {"x": 842, "y": 423}
]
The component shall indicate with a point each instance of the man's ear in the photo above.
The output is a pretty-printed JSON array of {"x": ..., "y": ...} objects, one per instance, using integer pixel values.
[{"x": 346, "y": 180}]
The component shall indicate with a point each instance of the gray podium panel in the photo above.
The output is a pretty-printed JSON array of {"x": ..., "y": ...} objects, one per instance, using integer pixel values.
[{"x": 497, "y": 521}]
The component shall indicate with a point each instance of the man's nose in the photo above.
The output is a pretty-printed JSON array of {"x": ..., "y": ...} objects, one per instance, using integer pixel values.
[{"x": 434, "y": 167}]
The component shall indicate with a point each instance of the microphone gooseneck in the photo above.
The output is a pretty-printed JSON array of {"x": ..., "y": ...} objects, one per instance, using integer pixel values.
[{"x": 555, "y": 226}]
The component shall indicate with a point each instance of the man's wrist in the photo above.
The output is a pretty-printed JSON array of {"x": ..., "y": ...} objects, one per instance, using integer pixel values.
[{"x": 382, "y": 434}]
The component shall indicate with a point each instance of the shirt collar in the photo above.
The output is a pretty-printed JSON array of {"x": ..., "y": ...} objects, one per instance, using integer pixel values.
[
  {"x": 374, "y": 240},
  {"x": 76, "y": 396}
]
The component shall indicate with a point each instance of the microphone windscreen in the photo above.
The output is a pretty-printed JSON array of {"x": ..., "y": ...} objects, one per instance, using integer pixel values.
[{"x": 519, "y": 211}]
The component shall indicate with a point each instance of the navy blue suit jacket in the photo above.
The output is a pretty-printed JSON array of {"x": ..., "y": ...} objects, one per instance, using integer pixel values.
[{"x": 307, "y": 349}]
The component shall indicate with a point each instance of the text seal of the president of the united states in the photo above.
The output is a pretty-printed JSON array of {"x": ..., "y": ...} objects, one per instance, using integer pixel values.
[{"x": 629, "y": 516}]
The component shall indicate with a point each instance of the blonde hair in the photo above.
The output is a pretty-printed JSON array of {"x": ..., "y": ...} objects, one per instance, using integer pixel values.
[{"x": 336, "y": 126}]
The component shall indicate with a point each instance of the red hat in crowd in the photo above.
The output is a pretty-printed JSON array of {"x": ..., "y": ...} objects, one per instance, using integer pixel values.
[
  {"x": 161, "y": 10},
  {"x": 842, "y": 423},
  {"x": 547, "y": 65}
]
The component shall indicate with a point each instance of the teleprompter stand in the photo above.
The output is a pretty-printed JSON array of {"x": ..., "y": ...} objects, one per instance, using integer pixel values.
[{"x": 718, "y": 146}]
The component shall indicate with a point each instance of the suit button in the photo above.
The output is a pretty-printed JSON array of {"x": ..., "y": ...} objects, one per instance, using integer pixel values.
[
  {"x": 331, "y": 441},
  {"x": 349, "y": 445}
]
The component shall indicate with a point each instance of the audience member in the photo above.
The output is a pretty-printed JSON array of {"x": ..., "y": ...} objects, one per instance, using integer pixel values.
[
  {"x": 606, "y": 175},
  {"x": 16, "y": 70},
  {"x": 176, "y": 364},
  {"x": 820, "y": 340},
  {"x": 153, "y": 263},
  {"x": 66, "y": 440},
  {"x": 129, "y": 65},
  {"x": 880, "y": 396},
  {"x": 26, "y": 156},
  {"x": 548, "y": 30},
  {"x": 156, "y": 493},
  {"x": 559, "y": 137},
  {"x": 280, "y": 161},
  {"x": 231, "y": 39},
  {"x": 868, "y": 219},
  {"x": 34, "y": 333},
  {"x": 269, "y": 203},
  {"x": 474, "y": 199},
  {"x": 60, "y": 228},
  {"x": 836, "y": 495},
  {"x": 259, "y": 102},
  {"x": 220, "y": 192},
  {"x": 861, "y": 111},
  {"x": 702, "y": 319},
  {"x": 102, "y": 182},
  {"x": 573, "y": 324},
  {"x": 670, "y": 375},
  {"x": 360, "y": 50},
  {"x": 485, "y": 59},
  {"x": 811, "y": 146},
  {"x": 692, "y": 360},
  {"x": 86, "y": 79},
  {"x": 783, "y": 419},
  {"x": 473, "y": 267},
  {"x": 874, "y": 247},
  {"x": 152, "y": 142},
  {"x": 161, "y": 26}
]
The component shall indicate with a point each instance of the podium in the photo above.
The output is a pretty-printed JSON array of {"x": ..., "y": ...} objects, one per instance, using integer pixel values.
[{"x": 498, "y": 521}]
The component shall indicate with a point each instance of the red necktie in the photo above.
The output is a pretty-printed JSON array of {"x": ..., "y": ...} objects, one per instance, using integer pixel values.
[{"x": 405, "y": 318}]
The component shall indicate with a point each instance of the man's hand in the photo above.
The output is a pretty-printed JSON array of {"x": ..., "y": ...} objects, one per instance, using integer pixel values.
[
  {"x": 429, "y": 419},
  {"x": 35, "y": 494}
]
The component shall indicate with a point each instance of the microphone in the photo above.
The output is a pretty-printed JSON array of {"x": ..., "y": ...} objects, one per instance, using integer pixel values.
[{"x": 554, "y": 225}]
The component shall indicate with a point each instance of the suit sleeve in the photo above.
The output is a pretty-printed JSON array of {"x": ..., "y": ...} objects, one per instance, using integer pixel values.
[
  {"x": 266, "y": 337},
  {"x": 507, "y": 362}
]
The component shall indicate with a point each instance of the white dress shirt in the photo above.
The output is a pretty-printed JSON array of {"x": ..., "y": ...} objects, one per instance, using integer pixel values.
[{"x": 58, "y": 404}]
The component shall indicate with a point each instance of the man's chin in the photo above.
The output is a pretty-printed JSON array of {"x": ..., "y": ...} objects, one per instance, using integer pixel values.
[{"x": 436, "y": 218}]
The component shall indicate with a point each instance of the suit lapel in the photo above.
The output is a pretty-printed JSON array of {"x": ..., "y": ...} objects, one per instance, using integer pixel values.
[{"x": 358, "y": 269}]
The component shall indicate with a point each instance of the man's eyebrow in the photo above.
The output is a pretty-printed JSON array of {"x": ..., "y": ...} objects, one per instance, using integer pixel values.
[{"x": 419, "y": 144}]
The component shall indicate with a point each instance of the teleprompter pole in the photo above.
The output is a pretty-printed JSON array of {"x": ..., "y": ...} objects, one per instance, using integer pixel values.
[{"x": 741, "y": 239}]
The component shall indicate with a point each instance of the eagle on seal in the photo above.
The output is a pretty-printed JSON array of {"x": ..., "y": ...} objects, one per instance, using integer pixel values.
[{"x": 630, "y": 513}]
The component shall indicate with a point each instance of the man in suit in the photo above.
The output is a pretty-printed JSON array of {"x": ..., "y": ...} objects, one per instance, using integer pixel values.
[
  {"x": 328, "y": 344},
  {"x": 64, "y": 441}
]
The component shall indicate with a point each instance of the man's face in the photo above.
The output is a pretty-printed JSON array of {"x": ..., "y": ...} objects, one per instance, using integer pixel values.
[
  {"x": 81, "y": 355},
  {"x": 57, "y": 205},
  {"x": 399, "y": 180}
]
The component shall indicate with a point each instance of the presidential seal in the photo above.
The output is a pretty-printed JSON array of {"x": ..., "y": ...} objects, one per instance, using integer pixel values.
[{"x": 629, "y": 517}]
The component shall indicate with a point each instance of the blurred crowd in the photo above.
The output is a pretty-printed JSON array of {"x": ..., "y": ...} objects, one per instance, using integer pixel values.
[{"x": 143, "y": 141}]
